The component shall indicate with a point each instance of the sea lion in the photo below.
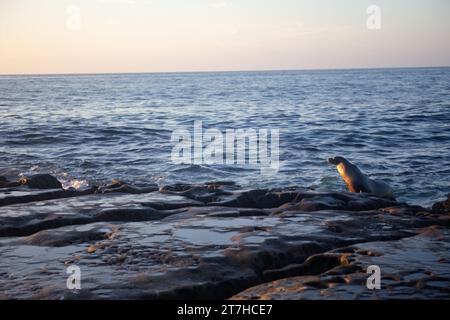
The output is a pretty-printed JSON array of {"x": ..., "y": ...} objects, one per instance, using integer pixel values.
[{"x": 357, "y": 181}]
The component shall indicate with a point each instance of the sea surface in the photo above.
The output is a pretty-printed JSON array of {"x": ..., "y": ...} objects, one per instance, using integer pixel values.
[{"x": 87, "y": 129}]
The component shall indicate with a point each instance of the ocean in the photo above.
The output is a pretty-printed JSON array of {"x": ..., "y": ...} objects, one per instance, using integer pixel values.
[{"x": 87, "y": 129}]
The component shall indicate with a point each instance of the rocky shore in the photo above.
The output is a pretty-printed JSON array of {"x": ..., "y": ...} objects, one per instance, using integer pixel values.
[{"x": 216, "y": 241}]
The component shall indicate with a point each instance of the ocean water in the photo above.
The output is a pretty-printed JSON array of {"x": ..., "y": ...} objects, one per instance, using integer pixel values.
[{"x": 87, "y": 129}]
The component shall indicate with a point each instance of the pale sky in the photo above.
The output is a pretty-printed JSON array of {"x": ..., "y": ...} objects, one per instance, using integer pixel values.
[{"x": 38, "y": 36}]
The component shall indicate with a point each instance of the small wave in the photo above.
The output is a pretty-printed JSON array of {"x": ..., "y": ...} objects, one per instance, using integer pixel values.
[{"x": 75, "y": 184}]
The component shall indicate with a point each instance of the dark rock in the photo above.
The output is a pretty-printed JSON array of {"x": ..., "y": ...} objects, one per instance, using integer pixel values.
[
  {"x": 314, "y": 265},
  {"x": 120, "y": 186},
  {"x": 25, "y": 195},
  {"x": 22, "y": 220},
  {"x": 5, "y": 183},
  {"x": 442, "y": 206},
  {"x": 416, "y": 267},
  {"x": 177, "y": 187},
  {"x": 41, "y": 181},
  {"x": 220, "y": 183},
  {"x": 61, "y": 238},
  {"x": 214, "y": 241},
  {"x": 315, "y": 201},
  {"x": 205, "y": 193},
  {"x": 260, "y": 198}
]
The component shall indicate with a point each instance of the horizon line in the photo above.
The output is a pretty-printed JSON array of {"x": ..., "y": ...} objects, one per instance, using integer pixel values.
[{"x": 219, "y": 71}]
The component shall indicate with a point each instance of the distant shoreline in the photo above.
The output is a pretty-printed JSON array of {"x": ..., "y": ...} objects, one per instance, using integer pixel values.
[{"x": 219, "y": 71}]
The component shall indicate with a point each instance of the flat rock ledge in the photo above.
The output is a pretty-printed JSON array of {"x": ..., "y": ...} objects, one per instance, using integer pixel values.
[{"x": 217, "y": 241}]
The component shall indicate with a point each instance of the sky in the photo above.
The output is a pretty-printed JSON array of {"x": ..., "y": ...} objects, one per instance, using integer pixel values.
[{"x": 102, "y": 36}]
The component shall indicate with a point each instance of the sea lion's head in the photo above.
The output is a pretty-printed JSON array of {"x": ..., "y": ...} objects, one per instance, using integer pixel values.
[{"x": 337, "y": 160}]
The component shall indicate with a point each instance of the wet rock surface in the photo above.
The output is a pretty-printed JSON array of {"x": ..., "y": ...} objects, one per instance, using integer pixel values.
[
  {"x": 213, "y": 241},
  {"x": 442, "y": 206},
  {"x": 5, "y": 183},
  {"x": 415, "y": 267}
]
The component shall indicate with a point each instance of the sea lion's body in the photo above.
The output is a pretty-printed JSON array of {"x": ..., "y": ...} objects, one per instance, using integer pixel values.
[{"x": 357, "y": 181}]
